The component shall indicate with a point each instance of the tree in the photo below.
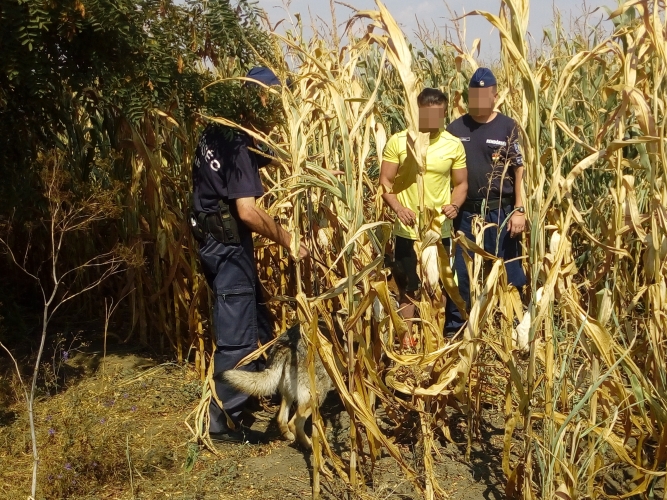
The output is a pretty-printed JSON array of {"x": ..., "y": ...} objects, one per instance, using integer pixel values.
[
  {"x": 113, "y": 60},
  {"x": 84, "y": 78}
]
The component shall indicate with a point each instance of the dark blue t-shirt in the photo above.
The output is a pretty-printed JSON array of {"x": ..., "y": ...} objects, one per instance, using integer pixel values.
[
  {"x": 492, "y": 151},
  {"x": 224, "y": 168}
]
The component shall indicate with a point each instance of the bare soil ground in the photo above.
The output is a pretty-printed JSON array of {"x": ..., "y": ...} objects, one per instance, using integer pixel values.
[{"x": 117, "y": 432}]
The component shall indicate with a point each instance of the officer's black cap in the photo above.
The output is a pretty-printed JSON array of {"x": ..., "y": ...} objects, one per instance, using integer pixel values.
[
  {"x": 262, "y": 75},
  {"x": 482, "y": 78}
]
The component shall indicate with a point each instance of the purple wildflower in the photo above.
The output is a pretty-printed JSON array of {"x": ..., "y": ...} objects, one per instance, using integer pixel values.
[
  {"x": 65, "y": 355},
  {"x": 134, "y": 408},
  {"x": 94, "y": 464},
  {"x": 103, "y": 420},
  {"x": 52, "y": 432},
  {"x": 68, "y": 466}
]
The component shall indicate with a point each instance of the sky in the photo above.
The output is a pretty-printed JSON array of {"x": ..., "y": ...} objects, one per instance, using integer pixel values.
[{"x": 437, "y": 15}]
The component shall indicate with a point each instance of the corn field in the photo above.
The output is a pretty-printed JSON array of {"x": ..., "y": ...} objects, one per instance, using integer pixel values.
[{"x": 587, "y": 393}]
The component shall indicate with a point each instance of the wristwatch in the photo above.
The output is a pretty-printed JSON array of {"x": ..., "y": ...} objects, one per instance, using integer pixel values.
[{"x": 521, "y": 210}]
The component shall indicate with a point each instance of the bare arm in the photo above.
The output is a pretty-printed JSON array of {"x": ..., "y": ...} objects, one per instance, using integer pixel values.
[
  {"x": 387, "y": 176},
  {"x": 518, "y": 184},
  {"x": 517, "y": 223},
  {"x": 261, "y": 223},
  {"x": 388, "y": 172},
  {"x": 460, "y": 181}
]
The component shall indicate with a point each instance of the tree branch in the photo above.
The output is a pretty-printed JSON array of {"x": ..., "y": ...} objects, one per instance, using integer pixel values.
[
  {"x": 18, "y": 372},
  {"x": 115, "y": 269},
  {"x": 22, "y": 267}
]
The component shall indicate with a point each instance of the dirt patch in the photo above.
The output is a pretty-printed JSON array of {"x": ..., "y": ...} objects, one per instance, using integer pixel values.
[{"x": 118, "y": 432}]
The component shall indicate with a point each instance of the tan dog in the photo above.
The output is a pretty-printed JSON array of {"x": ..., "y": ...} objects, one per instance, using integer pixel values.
[{"x": 287, "y": 373}]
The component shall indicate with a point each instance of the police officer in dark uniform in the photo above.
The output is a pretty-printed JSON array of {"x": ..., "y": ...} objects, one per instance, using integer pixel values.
[
  {"x": 226, "y": 183},
  {"x": 495, "y": 173}
]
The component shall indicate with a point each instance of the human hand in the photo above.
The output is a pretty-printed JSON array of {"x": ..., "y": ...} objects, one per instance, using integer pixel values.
[
  {"x": 517, "y": 224},
  {"x": 406, "y": 216},
  {"x": 450, "y": 211}
]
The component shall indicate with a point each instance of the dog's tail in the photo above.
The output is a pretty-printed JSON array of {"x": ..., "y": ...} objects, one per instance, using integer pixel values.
[{"x": 262, "y": 383}]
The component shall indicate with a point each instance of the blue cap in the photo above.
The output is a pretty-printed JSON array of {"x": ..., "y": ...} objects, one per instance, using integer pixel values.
[
  {"x": 482, "y": 78},
  {"x": 263, "y": 75}
]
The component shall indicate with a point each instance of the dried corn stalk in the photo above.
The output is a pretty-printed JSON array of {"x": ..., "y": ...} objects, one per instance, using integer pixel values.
[{"x": 593, "y": 133}]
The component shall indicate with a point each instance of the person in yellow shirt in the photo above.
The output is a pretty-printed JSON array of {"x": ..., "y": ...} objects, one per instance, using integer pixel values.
[{"x": 445, "y": 189}]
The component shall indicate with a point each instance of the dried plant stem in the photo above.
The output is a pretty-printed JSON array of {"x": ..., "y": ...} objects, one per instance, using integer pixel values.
[
  {"x": 351, "y": 368},
  {"x": 129, "y": 463},
  {"x": 177, "y": 325},
  {"x": 318, "y": 462},
  {"x": 109, "y": 309},
  {"x": 590, "y": 487},
  {"x": 426, "y": 437}
]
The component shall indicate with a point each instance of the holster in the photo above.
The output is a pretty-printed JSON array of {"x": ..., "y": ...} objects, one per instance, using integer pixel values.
[
  {"x": 222, "y": 225},
  {"x": 197, "y": 225}
]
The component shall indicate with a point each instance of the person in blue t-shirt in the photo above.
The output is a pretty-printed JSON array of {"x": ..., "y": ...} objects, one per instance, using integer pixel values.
[
  {"x": 226, "y": 169},
  {"x": 495, "y": 173}
]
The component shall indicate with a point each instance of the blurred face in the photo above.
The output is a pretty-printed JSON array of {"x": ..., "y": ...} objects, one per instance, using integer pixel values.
[
  {"x": 431, "y": 118},
  {"x": 482, "y": 101}
]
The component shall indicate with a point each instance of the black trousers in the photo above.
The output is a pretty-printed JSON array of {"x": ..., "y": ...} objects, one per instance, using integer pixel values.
[
  {"x": 241, "y": 319},
  {"x": 406, "y": 261}
]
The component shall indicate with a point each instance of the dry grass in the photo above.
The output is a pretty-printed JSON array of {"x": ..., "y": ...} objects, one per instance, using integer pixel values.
[
  {"x": 143, "y": 405},
  {"x": 120, "y": 419}
]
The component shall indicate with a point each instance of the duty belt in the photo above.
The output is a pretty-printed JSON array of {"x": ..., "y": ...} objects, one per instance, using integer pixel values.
[
  {"x": 221, "y": 225},
  {"x": 475, "y": 206}
]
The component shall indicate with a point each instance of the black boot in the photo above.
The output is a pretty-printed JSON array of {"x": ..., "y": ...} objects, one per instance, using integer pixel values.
[{"x": 241, "y": 434}]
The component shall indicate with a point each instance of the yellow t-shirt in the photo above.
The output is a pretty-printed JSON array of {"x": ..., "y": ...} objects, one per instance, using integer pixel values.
[{"x": 444, "y": 154}]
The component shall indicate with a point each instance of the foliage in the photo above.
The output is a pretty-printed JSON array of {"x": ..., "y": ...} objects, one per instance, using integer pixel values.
[{"x": 108, "y": 60}]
